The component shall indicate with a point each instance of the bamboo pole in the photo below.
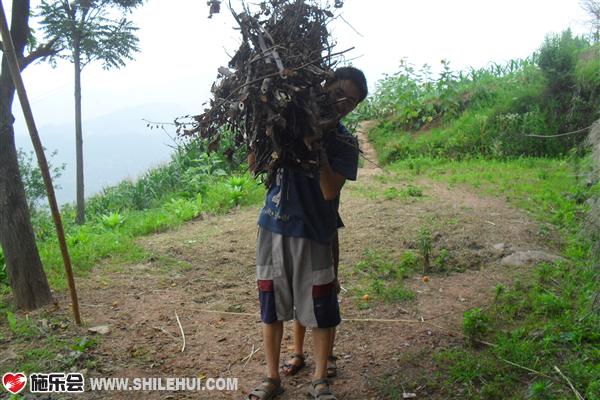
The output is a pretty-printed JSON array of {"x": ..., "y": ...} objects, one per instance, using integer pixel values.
[{"x": 13, "y": 63}]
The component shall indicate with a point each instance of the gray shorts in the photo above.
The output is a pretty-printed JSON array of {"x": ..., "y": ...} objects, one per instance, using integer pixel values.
[{"x": 296, "y": 280}]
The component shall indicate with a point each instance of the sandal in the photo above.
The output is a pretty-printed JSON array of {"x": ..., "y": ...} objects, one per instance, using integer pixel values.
[
  {"x": 323, "y": 393},
  {"x": 331, "y": 366},
  {"x": 290, "y": 368},
  {"x": 268, "y": 389}
]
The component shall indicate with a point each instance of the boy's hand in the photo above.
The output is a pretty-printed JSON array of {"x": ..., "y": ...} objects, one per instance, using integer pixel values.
[
  {"x": 323, "y": 159},
  {"x": 338, "y": 287}
]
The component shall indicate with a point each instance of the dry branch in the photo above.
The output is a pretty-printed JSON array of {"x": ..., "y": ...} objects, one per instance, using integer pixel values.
[{"x": 271, "y": 96}]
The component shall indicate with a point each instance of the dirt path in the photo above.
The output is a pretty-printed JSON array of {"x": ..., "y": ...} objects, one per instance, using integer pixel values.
[{"x": 208, "y": 265}]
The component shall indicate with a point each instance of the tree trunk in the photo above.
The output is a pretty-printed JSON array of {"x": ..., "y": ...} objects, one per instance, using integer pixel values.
[
  {"x": 23, "y": 265},
  {"x": 78, "y": 134}
]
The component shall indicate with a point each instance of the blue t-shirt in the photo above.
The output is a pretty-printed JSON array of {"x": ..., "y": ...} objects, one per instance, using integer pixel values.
[{"x": 295, "y": 205}]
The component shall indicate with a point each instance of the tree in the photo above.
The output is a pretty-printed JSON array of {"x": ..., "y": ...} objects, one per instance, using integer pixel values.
[
  {"x": 33, "y": 182},
  {"x": 88, "y": 31},
  {"x": 23, "y": 264},
  {"x": 592, "y": 8}
]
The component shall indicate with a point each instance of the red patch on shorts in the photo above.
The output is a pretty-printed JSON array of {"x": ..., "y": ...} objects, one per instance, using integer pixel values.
[
  {"x": 265, "y": 285},
  {"x": 322, "y": 290}
]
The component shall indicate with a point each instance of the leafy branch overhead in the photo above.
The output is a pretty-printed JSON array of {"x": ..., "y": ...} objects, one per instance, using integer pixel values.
[
  {"x": 93, "y": 30},
  {"x": 36, "y": 51},
  {"x": 271, "y": 95}
]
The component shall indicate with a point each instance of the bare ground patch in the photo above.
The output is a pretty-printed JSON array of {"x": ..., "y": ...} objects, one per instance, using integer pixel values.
[{"x": 207, "y": 266}]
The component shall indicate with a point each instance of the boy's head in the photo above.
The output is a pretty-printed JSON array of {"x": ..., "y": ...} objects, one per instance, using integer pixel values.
[{"x": 347, "y": 89}]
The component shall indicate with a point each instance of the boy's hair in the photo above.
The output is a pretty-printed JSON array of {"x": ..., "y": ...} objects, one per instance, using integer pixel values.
[{"x": 356, "y": 76}]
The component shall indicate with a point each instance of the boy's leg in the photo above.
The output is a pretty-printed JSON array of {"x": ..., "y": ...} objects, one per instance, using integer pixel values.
[
  {"x": 272, "y": 334},
  {"x": 335, "y": 250},
  {"x": 322, "y": 344},
  {"x": 316, "y": 304},
  {"x": 296, "y": 360},
  {"x": 299, "y": 334},
  {"x": 276, "y": 305},
  {"x": 332, "y": 341}
]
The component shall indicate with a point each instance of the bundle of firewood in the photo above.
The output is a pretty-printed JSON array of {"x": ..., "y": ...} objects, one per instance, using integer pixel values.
[{"x": 271, "y": 95}]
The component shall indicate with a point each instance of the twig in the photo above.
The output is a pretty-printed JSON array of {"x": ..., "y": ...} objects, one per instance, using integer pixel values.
[
  {"x": 408, "y": 321},
  {"x": 158, "y": 328},
  {"x": 350, "y": 25},
  {"x": 527, "y": 369},
  {"x": 593, "y": 307},
  {"x": 181, "y": 329},
  {"x": 560, "y": 134},
  {"x": 370, "y": 161},
  {"x": 435, "y": 316},
  {"x": 93, "y": 305},
  {"x": 158, "y": 123},
  {"x": 249, "y": 357},
  {"x": 577, "y": 394}
]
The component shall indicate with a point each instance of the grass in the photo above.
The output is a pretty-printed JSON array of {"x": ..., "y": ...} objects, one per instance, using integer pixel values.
[
  {"x": 43, "y": 344},
  {"x": 110, "y": 237},
  {"x": 537, "y": 323},
  {"x": 469, "y": 130},
  {"x": 380, "y": 278}
]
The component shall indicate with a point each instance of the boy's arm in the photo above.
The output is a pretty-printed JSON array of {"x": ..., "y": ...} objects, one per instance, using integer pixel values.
[
  {"x": 336, "y": 260},
  {"x": 251, "y": 161},
  {"x": 330, "y": 181}
]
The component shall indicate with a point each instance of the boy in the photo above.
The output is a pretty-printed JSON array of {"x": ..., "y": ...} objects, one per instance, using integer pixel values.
[{"x": 297, "y": 225}]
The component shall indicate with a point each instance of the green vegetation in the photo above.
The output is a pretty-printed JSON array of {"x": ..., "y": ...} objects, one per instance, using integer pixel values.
[
  {"x": 491, "y": 111},
  {"x": 193, "y": 183},
  {"x": 53, "y": 351},
  {"x": 380, "y": 277},
  {"x": 473, "y": 129}
]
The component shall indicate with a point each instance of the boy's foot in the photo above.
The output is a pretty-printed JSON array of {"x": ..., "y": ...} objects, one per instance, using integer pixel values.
[
  {"x": 268, "y": 389},
  {"x": 331, "y": 366},
  {"x": 319, "y": 390},
  {"x": 294, "y": 364}
]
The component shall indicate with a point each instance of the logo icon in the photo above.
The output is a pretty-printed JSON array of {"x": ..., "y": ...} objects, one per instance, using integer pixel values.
[{"x": 14, "y": 383}]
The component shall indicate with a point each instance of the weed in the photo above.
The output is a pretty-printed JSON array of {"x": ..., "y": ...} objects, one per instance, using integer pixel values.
[
  {"x": 441, "y": 261},
  {"x": 414, "y": 191},
  {"x": 21, "y": 328},
  {"x": 475, "y": 324},
  {"x": 382, "y": 277},
  {"x": 425, "y": 247},
  {"x": 540, "y": 390}
]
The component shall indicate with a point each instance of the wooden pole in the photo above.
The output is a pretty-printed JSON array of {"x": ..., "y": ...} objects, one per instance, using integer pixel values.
[{"x": 13, "y": 63}]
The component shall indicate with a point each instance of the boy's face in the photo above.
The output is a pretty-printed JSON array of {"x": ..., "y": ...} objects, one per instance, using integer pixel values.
[{"x": 344, "y": 95}]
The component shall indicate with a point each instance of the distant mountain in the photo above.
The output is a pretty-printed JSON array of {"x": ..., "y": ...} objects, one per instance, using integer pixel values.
[{"x": 116, "y": 146}]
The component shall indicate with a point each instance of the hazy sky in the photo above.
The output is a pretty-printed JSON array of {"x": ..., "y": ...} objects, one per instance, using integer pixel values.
[{"x": 181, "y": 49}]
